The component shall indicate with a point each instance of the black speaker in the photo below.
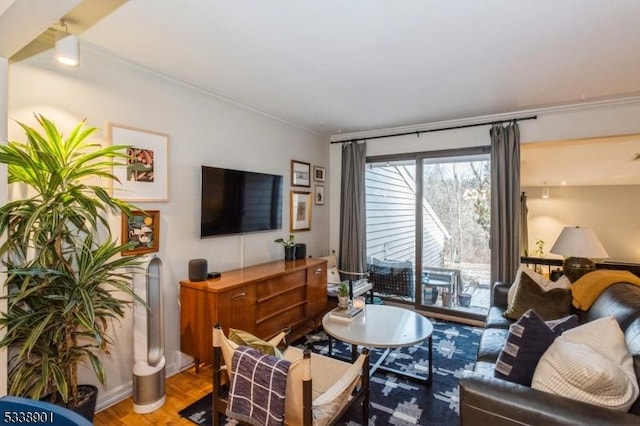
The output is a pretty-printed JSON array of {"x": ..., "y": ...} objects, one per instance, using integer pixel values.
[
  {"x": 301, "y": 251},
  {"x": 198, "y": 270}
]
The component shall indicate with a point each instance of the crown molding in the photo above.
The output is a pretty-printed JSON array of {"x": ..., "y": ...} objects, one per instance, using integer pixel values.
[{"x": 485, "y": 118}]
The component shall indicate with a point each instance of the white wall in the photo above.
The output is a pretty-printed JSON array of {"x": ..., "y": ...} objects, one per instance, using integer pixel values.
[
  {"x": 578, "y": 122},
  {"x": 611, "y": 211},
  {"x": 203, "y": 130}
]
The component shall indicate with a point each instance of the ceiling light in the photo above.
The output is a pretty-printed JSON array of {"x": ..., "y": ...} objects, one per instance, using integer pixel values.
[{"x": 67, "y": 47}]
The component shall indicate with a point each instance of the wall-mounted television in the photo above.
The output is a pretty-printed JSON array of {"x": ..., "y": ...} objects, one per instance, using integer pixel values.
[{"x": 238, "y": 202}]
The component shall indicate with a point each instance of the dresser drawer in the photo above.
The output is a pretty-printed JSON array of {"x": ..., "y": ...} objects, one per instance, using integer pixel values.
[
  {"x": 291, "y": 317},
  {"x": 273, "y": 287},
  {"x": 282, "y": 302}
]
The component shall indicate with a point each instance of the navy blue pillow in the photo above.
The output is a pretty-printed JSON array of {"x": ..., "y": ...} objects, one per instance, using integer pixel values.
[{"x": 528, "y": 339}]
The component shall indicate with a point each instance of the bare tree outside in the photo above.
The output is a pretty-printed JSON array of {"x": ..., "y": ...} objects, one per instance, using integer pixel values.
[{"x": 459, "y": 193}]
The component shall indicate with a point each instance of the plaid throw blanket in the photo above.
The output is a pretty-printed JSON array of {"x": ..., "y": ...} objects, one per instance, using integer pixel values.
[{"x": 256, "y": 395}]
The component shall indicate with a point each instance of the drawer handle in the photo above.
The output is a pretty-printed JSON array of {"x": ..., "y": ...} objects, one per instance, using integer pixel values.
[
  {"x": 318, "y": 271},
  {"x": 239, "y": 295}
]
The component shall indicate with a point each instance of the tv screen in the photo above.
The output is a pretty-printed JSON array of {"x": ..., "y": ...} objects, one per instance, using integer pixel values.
[{"x": 236, "y": 202}]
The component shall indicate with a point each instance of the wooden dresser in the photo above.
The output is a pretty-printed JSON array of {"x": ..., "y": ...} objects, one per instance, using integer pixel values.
[{"x": 261, "y": 299}]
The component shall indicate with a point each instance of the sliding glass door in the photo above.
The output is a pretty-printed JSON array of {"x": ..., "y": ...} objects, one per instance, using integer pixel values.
[{"x": 428, "y": 224}]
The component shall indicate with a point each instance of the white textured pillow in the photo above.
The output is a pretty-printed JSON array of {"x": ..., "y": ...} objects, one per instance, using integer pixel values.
[
  {"x": 590, "y": 363},
  {"x": 333, "y": 276},
  {"x": 544, "y": 283}
]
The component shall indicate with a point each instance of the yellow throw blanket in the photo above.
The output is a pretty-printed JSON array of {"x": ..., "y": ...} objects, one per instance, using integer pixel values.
[{"x": 587, "y": 288}]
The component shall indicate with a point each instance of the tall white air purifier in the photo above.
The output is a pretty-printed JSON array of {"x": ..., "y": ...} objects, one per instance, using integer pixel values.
[{"x": 148, "y": 339}]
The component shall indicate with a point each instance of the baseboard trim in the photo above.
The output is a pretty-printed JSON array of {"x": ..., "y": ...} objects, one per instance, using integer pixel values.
[{"x": 120, "y": 393}]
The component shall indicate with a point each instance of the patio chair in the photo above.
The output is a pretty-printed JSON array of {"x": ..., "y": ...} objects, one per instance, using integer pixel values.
[
  {"x": 319, "y": 389},
  {"x": 391, "y": 277}
]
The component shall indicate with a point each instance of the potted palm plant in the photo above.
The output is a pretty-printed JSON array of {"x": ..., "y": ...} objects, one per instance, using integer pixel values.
[{"x": 65, "y": 277}]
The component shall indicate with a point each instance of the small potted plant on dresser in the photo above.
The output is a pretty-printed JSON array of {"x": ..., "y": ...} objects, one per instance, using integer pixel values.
[{"x": 289, "y": 247}]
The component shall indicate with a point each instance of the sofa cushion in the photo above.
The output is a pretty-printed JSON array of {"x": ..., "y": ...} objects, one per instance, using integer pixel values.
[
  {"x": 590, "y": 363},
  {"x": 528, "y": 339},
  {"x": 552, "y": 304},
  {"x": 496, "y": 319},
  {"x": 491, "y": 344},
  {"x": 485, "y": 368}
]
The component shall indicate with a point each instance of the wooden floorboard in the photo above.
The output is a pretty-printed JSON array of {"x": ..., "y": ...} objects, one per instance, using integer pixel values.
[{"x": 181, "y": 390}]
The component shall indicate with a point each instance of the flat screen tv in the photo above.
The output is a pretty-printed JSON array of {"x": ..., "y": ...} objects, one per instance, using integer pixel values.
[{"x": 237, "y": 202}]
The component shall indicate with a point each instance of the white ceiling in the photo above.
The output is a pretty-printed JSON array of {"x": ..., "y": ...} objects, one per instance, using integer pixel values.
[{"x": 335, "y": 66}]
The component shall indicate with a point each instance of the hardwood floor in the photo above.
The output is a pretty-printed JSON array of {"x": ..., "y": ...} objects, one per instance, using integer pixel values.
[{"x": 181, "y": 390}]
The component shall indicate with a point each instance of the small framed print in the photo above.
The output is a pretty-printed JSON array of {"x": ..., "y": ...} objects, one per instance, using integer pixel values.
[
  {"x": 319, "y": 195},
  {"x": 143, "y": 229},
  {"x": 318, "y": 174},
  {"x": 145, "y": 176},
  {"x": 300, "y": 173},
  {"x": 300, "y": 216}
]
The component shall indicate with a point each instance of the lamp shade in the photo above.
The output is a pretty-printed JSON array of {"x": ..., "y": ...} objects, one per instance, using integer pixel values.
[
  {"x": 579, "y": 242},
  {"x": 67, "y": 50}
]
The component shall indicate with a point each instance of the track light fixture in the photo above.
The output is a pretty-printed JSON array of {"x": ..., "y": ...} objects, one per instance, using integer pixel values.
[{"x": 67, "y": 47}]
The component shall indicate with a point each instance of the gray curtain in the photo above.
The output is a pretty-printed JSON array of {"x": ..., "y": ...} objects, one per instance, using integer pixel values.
[
  {"x": 524, "y": 226},
  {"x": 505, "y": 202},
  {"x": 353, "y": 241}
]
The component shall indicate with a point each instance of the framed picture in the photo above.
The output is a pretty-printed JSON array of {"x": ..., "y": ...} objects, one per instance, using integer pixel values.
[
  {"x": 318, "y": 174},
  {"x": 319, "y": 195},
  {"x": 142, "y": 228},
  {"x": 146, "y": 174},
  {"x": 300, "y": 217},
  {"x": 300, "y": 174}
]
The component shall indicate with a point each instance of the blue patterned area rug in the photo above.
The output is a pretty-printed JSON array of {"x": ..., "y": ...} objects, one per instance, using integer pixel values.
[{"x": 394, "y": 399}]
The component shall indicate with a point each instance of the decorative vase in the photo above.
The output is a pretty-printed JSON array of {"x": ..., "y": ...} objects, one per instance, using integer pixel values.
[{"x": 289, "y": 253}]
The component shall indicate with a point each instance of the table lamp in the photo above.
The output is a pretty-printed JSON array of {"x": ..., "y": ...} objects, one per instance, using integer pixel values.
[{"x": 579, "y": 246}]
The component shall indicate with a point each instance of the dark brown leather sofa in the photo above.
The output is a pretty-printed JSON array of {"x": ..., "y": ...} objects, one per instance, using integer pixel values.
[{"x": 486, "y": 400}]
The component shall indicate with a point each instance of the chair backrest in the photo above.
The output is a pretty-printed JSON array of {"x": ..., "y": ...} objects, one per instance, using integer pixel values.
[
  {"x": 298, "y": 371},
  {"x": 39, "y": 412}
]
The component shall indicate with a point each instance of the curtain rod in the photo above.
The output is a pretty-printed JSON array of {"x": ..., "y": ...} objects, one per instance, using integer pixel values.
[{"x": 417, "y": 132}]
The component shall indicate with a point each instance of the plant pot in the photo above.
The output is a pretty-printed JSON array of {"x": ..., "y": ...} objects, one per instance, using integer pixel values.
[
  {"x": 430, "y": 295},
  {"x": 88, "y": 395},
  {"x": 289, "y": 253},
  {"x": 343, "y": 301},
  {"x": 464, "y": 300},
  {"x": 446, "y": 299}
]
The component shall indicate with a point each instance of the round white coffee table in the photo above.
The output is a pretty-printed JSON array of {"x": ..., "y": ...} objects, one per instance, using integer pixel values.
[{"x": 382, "y": 326}]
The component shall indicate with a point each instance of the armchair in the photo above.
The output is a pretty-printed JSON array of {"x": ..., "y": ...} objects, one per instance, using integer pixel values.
[{"x": 319, "y": 389}]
